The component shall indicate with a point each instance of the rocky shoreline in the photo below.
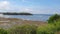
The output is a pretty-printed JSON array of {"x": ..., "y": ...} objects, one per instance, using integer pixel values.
[{"x": 10, "y": 22}]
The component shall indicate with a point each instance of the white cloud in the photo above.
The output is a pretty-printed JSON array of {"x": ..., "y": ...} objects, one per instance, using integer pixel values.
[{"x": 4, "y": 5}]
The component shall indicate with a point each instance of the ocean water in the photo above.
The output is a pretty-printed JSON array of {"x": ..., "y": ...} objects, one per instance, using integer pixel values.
[{"x": 35, "y": 17}]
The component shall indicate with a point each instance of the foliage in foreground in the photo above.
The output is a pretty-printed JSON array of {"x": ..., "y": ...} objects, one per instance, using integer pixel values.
[
  {"x": 47, "y": 29},
  {"x": 32, "y": 29},
  {"x": 53, "y": 18},
  {"x": 52, "y": 27},
  {"x": 24, "y": 29},
  {"x": 2, "y": 31}
]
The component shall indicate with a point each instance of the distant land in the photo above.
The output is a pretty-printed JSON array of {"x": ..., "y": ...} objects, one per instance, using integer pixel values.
[{"x": 22, "y": 13}]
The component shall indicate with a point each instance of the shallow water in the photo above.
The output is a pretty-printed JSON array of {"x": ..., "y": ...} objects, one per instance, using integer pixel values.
[{"x": 35, "y": 17}]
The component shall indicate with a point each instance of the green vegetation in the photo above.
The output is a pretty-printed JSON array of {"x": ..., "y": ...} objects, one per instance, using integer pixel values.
[
  {"x": 47, "y": 29},
  {"x": 24, "y": 29},
  {"x": 52, "y": 27},
  {"x": 53, "y": 18},
  {"x": 2, "y": 31},
  {"x": 22, "y": 13}
]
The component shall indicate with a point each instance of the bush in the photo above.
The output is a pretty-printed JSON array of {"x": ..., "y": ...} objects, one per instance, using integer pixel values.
[
  {"x": 53, "y": 18},
  {"x": 24, "y": 29},
  {"x": 2, "y": 31},
  {"x": 47, "y": 29},
  {"x": 57, "y": 25}
]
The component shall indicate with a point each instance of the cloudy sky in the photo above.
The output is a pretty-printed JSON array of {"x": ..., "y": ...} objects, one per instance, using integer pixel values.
[{"x": 32, "y": 6}]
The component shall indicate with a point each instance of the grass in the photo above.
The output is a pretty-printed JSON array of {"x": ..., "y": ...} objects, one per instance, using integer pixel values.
[
  {"x": 49, "y": 28},
  {"x": 32, "y": 29}
]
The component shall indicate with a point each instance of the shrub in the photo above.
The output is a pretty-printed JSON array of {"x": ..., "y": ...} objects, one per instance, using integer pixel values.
[
  {"x": 57, "y": 25},
  {"x": 47, "y": 29},
  {"x": 2, "y": 31},
  {"x": 24, "y": 29},
  {"x": 53, "y": 18}
]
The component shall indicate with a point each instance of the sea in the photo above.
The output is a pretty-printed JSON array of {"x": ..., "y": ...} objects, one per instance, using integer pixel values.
[{"x": 34, "y": 17}]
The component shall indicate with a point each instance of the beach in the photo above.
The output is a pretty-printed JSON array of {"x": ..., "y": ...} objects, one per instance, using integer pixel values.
[{"x": 10, "y": 22}]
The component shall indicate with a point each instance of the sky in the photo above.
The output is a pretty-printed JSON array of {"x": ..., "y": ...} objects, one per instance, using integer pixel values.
[{"x": 31, "y": 6}]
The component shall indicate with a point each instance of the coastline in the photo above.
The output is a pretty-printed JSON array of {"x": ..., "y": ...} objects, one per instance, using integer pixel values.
[{"x": 10, "y": 22}]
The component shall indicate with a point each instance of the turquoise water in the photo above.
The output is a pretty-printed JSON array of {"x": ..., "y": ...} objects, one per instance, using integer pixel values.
[{"x": 35, "y": 17}]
